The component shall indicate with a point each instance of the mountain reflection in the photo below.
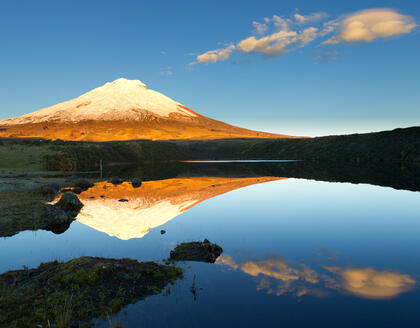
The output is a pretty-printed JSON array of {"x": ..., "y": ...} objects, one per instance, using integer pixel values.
[
  {"x": 279, "y": 277},
  {"x": 151, "y": 205}
]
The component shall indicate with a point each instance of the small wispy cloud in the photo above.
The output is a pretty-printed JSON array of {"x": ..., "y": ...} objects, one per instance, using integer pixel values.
[
  {"x": 326, "y": 56},
  {"x": 301, "y": 19},
  {"x": 213, "y": 56},
  {"x": 260, "y": 28},
  {"x": 167, "y": 71},
  {"x": 241, "y": 62},
  {"x": 276, "y": 35}
]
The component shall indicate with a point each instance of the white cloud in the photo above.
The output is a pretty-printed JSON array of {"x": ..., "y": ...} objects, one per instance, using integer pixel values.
[
  {"x": 281, "y": 23},
  {"x": 213, "y": 56},
  {"x": 371, "y": 24},
  {"x": 283, "y": 38},
  {"x": 260, "y": 28},
  {"x": 276, "y": 35},
  {"x": 329, "y": 27},
  {"x": 308, "y": 35},
  {"x": 285, "y": 35},
  {"x": 278, "y": 42},
  {"x": 271, "y": 44},
  {"x": 301, "y": 19}
]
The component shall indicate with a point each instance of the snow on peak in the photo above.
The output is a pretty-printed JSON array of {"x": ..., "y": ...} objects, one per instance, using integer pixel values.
[
  {"x": 121, "y": 99},
  {"x": 124, "y": 83}
]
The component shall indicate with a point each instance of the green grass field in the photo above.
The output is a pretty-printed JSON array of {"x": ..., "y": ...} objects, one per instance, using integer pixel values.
[{"x": 23, "y": 157}]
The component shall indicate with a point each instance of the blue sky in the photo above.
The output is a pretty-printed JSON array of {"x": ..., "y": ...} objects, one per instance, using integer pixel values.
[{"x": 52, "y": 51}]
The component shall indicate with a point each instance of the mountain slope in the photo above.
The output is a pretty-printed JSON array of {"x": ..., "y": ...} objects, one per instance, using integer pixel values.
[{"x": 122, "y": 110}]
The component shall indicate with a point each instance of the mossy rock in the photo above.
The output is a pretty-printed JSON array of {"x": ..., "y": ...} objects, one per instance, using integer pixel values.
[
  {"x": 196, "y": 251},
  {"x": 78, "y": 290},
  {"x": 70, "y": 204}
]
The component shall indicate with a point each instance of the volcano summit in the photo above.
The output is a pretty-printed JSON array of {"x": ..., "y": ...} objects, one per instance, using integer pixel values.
[{"x": 122, "y": 110}]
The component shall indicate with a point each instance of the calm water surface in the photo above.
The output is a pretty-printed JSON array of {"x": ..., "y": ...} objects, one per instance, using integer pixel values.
[{"x": 297, "y": 252}]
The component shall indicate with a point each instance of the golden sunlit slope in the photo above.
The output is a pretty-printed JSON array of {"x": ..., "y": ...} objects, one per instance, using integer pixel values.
[
  {"x": 122, "y": 110},
  {"x": 152, "y": 129},
  {"x": 151, "y": 205}
]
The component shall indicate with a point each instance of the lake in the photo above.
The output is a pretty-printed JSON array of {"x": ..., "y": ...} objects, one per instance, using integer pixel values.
[{"x": 304, "y": 244}]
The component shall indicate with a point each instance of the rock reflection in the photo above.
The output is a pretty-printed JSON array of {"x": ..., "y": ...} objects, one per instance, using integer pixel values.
[
  {"x": 151, "y": 205},
  {"x": 279, "y": 277}
]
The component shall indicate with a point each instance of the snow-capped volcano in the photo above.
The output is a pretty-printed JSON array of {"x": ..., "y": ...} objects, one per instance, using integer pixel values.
[
  {"x": 119, "y": 100},
  {"x": 122, "y": 110}
]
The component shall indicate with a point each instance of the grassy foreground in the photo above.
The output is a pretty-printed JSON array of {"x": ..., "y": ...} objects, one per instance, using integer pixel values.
[{"x": 61, "y": 295}]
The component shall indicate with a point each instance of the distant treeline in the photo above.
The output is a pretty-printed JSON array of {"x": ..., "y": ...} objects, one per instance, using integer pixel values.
[{"x": 395, "y": 145}]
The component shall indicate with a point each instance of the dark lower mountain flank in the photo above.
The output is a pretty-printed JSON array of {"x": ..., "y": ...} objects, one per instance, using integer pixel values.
[
  {"x": 399, "y": 145},
  {"x": 395, "y": 145}
]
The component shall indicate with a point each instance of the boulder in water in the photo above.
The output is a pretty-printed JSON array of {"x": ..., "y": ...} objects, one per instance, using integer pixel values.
[
  {"x": 70, "y": 204},
  {"x": 54, "y": 216},
  {"x": 116, "y": 181},
  {"x": 136, "y": 183},
  {"x": 55, "y": 219},
  {"x": 196, "y": 251}
]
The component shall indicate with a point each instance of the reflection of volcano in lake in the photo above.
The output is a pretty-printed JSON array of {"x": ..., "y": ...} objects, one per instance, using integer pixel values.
[{"x": 151, "y": 205}]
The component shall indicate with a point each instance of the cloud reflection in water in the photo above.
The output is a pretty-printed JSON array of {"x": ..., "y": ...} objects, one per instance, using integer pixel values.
[{"x": 279, "y": 277}]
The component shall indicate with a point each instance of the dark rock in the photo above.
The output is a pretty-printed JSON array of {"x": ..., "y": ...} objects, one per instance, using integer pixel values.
[
  {"x": 83, "y": 184},
  {"x": 55, "y": 218},
  {"x": 116, "y": 181},
  {"x": 196, "y": 251},
  {"x": 102, "y": 196},
  {"x": 70, "y": 204},
  {"x": 136, "y": 183},
  {"x": 123, "y": 200},
  {"x": 60, "y": 229},
  {"x": 162, "y": 232},
  {"x": 77, "y": 190}
]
